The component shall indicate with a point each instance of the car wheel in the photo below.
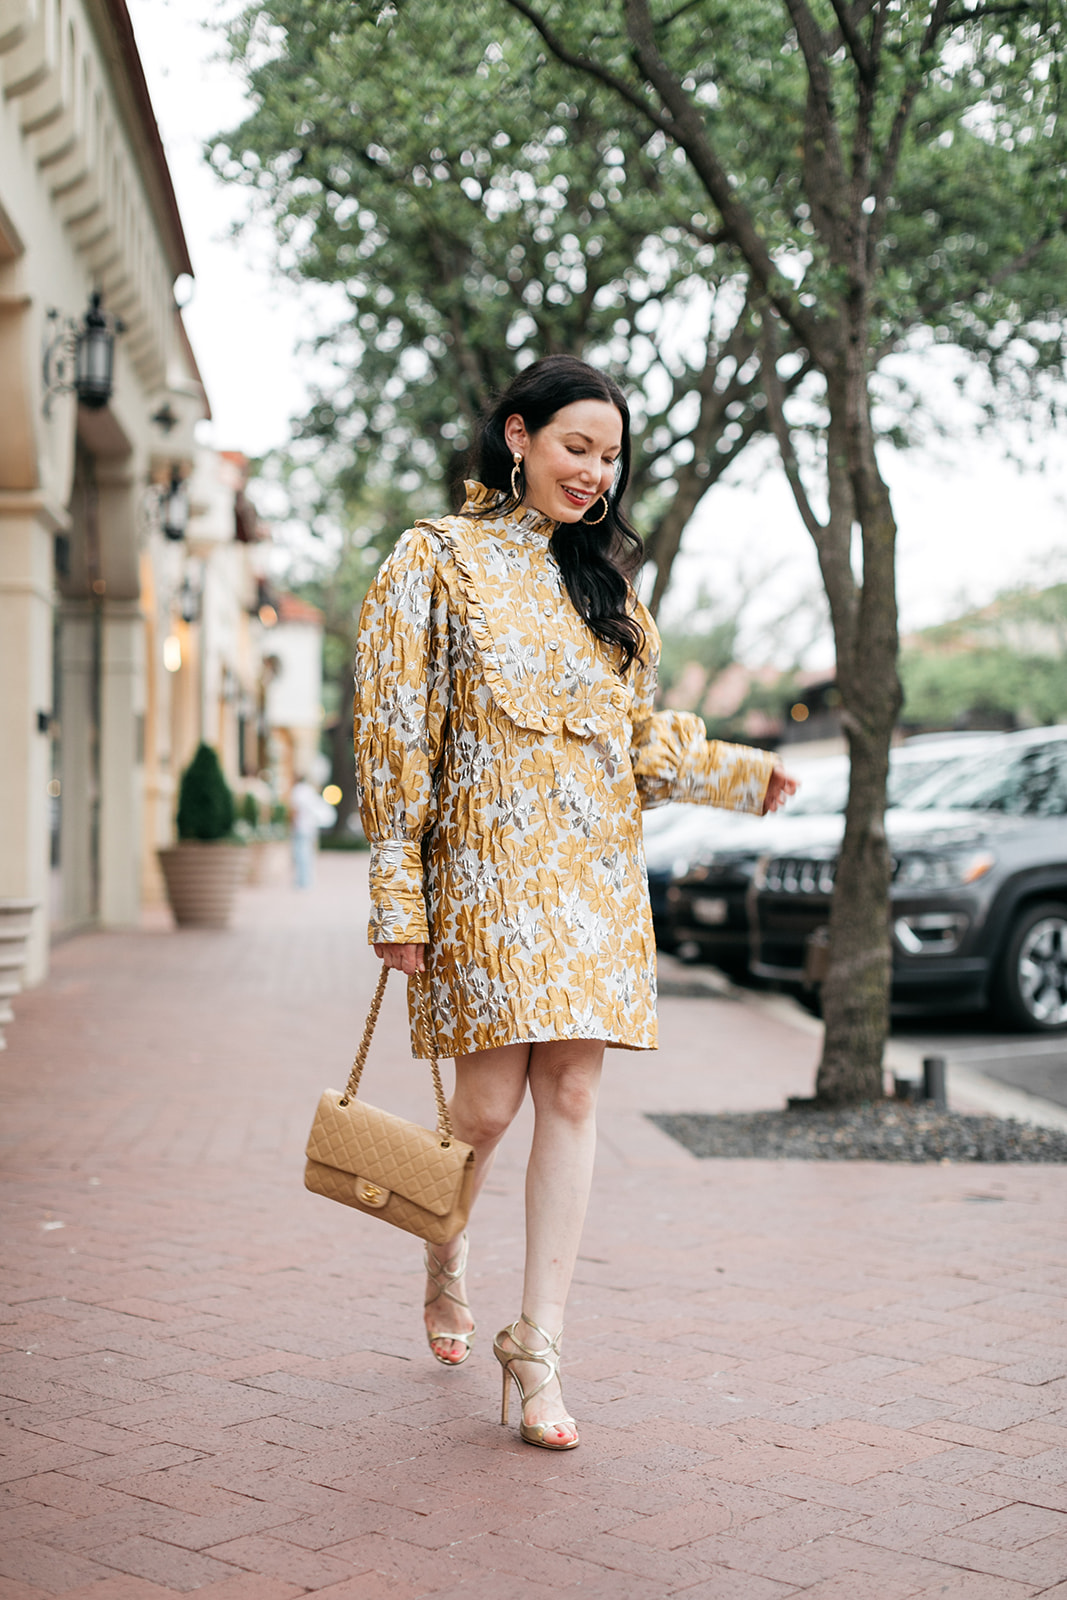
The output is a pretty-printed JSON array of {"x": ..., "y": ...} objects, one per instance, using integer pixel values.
[{"x": 1032, "y": 981}]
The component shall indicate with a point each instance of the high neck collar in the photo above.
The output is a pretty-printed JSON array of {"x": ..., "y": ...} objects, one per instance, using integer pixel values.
[{"x": 518, "y": 522}]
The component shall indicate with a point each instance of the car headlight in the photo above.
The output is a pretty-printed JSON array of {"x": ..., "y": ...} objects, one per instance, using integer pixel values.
[{"x": 945, "y": 869}]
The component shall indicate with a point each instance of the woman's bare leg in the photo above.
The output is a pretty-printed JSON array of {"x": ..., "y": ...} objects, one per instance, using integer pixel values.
[
  {"x": 490, "y": 1088},
  {"x": 564, "y": 1079}
]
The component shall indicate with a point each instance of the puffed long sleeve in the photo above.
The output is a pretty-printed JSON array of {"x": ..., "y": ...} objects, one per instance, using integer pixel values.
[
  {"x": 672, "y": 757},
  {"x": 401, "y": 708}
]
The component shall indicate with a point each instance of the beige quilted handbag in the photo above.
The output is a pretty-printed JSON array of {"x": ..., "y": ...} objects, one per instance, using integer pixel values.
[{"x": 380, "y": 1164}]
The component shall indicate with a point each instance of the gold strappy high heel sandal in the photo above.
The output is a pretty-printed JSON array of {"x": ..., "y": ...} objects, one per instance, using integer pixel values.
[
  {"x": 531, "y": 1432},
  {"x": 442, "y": 1278}
]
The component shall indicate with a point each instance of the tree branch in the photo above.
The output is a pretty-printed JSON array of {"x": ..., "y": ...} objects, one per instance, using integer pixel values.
[
  {"x": 823, "y": 157},
  {"x": 853, "y": 39},
  {"x": 863, "y": 143},
  {"x": 666, "y": 540},
  {"x": 594, "y": 69},
  {"x": 690, "y": 5},
  {"x": 956, "y": 18},
  {"x": 813, "y": 47},
  {"x": 894, "y": 144},
  {"x": 688, "y": 129},
  {"x": 772, "y": 388},
  {"x": 1032, "y": 251},
  {"x": 835, "y": 38},
  {"x": 684, "y": 126}
]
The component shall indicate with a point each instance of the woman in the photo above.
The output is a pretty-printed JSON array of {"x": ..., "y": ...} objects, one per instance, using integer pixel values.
[{"x": 505, "y": 744}]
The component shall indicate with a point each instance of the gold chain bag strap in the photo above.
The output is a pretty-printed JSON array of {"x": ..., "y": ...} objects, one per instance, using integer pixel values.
[{"x": 386, "y": 1167}]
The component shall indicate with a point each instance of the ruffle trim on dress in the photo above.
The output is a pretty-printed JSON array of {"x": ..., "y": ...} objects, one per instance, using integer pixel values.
[
  {"x": 488, "y": 505},
  {"x": 596, "y": 710}
]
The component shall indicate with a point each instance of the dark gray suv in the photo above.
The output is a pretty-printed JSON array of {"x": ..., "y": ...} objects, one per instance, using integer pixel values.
[{"x": 978, "y": 895}]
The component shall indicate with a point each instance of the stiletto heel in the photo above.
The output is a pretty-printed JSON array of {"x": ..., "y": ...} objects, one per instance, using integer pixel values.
[
  {"x": 531, "y": 1432},
  {"x": 505, "y": 1399},
  {"x": 442, "y": 1278}
]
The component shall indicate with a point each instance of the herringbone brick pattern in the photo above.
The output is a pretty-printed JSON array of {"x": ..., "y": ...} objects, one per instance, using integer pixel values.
[{"x": 829, "y": 1380}]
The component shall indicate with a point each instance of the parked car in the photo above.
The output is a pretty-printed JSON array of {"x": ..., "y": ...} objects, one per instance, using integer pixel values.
[
  {"x": 978, "y": 894},
  {"x": 678, "y": 835},
  {"x": 704, "y": 911}
]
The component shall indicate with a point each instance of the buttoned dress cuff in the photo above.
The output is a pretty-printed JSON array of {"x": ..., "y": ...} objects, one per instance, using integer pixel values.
[{"x": 397, "y": 893}]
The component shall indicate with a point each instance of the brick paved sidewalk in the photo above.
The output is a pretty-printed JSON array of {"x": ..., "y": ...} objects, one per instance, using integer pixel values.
[{"x": 837, "y": 1381}]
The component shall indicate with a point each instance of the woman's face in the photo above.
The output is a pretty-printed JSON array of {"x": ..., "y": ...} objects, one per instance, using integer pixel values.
[{"x": 571, "y": 460}]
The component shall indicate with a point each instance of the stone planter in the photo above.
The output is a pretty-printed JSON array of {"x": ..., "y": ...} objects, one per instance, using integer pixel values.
[
  {"x": 15, "y": 918},
  {"x": 202, "y": 878}
]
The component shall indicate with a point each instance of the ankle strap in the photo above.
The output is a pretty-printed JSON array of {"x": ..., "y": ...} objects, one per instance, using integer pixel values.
[
  {"x": 550, "y": 1343},
  {"x": 458, "y": 1266}
]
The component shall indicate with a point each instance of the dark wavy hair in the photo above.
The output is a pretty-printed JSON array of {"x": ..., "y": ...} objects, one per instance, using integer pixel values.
[{"x": 597, "y": 561}]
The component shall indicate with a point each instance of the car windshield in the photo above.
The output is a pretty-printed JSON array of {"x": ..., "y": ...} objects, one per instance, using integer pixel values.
[
  {"x": 824, "y": 792},
  {"x": 823, "y": 789},
  {"x": 908, "y": 775},
  {"x": 1020, "y": 783}
]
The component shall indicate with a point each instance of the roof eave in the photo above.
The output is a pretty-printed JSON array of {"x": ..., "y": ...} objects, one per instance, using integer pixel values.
[{"x": 120, "y": 45}]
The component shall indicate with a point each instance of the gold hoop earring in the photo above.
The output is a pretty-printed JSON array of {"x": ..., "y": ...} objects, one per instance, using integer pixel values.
[
  {"x": 591, "y": 522},
  {"x": 516, "y": 477}
]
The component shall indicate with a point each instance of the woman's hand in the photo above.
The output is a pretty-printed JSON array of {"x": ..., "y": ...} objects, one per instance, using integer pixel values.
[
  {"x": 780, "y": 787},
  {"x": 407, "y": 958}
]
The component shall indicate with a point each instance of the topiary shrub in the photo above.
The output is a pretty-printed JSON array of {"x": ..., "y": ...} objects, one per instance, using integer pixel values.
[
  {"x": 205, "y": 804},
  {"x": 249, "y": 810}
]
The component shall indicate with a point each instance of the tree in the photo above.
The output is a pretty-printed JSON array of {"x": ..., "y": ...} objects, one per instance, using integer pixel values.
[
  {"x": 1007, "y": 661},
  {"x": 478, "y": 210},
  {"x": 835, "y": 175},
  {"x": 482, "y": 207},
  {"x": 990, "y": 686},
  {"x": 866, "y": 89}
]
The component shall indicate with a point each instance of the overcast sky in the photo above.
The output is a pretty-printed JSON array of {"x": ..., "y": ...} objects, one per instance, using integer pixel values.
[{"x": 970, "y": 522}]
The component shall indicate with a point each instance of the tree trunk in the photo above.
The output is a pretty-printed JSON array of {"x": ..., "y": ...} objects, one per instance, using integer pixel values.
[
  {"x": 855, "y": 993},
  {"x": 856, "y": 990},
  {"x": 667, "y": 540}
]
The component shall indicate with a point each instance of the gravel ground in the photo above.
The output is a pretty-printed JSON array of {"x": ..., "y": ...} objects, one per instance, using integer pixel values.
[{"x": 889, "y": 1132}]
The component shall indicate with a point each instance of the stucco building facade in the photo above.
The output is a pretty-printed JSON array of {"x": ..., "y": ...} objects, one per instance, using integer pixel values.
[{"x": 123, "y": 640}]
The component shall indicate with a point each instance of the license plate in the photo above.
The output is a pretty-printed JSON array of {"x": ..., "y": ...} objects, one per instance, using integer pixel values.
[{"x": 713, "y": 912}]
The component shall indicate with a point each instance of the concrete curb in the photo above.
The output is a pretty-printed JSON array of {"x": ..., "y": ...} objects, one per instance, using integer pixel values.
[{"x": 965, "y": 1082}]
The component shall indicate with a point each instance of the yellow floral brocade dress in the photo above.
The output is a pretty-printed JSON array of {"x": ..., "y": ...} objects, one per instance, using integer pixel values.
[{"x": 502, "y": 762}]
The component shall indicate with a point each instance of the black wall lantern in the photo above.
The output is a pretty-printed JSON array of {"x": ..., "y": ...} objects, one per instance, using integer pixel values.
[
  {"x": 189, "y": 600},
  {"x": 166, "y": 417},
  {"x": 94, "y": 357},
  {"x": 174, "y": 505},
  {"x": 81, "y": 356}
]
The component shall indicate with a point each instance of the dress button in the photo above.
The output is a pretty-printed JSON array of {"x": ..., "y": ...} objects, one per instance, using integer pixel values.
[{"x": 553, "y": 644}]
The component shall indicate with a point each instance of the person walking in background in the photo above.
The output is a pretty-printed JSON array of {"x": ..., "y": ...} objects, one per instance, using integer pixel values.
[
  {"x": 505, "y": 744},
  {"x": 308, "y": 812}
]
